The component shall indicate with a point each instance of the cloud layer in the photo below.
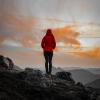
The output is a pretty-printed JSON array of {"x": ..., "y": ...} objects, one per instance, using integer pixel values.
[{"x": 75, "y": 25}]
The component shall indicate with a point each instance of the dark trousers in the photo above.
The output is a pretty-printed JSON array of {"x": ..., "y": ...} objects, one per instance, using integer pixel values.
[{"x": 48, "y": 60}]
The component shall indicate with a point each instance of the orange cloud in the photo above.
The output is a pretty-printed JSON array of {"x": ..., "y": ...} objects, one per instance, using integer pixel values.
[
  {"x": 20, "y": 24},
  {"x": 27, "y": 40},
  {"x": 91, "y": 53},
  {"x": 67, "y": 35},
  {"x": 2, "y": 39}
]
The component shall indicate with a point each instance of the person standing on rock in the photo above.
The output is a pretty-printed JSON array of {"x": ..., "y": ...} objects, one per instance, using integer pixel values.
[{"x": 48, "y": 44}]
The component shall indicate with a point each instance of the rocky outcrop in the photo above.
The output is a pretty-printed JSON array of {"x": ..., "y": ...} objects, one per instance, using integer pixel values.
[
  {"x": 65, "y": 75},
  {"x": 32, "y": 84},
  {"x": 28, "y": 85},
  {"x": 6, "y": 63}
]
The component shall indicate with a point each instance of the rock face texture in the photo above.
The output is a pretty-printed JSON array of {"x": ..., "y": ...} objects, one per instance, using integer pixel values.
[
  {"x": 6, "y": 63},
  {"x": 32, "y": 84}
]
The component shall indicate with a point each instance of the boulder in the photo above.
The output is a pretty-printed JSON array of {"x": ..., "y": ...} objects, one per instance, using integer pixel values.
[
  {"x": 64, "y": 75},
  {"x": 6, "y": 63},
  {"x": 33, "y": 72}
]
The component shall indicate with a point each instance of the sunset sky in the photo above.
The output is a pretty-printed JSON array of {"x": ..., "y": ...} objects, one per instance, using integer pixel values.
[{"x": 75, "y": 25}]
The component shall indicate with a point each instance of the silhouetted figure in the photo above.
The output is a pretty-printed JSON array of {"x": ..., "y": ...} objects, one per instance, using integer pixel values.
[{"x": 48, "y": 44}]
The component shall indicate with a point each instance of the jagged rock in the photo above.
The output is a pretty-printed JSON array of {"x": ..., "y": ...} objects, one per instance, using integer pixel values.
[
  {"x": 29, "y": 70},
  {"x": 3, "y": 65},
  {"x": 32, "y": 76},
  {"x": 34, "y": 72},
  {"x": 6, "y": 63},
  {"x": 14, "y": 86},
  {"x": 32, "y": 84},
  {"x": 80, "y": 84},
  {"x": 10, "y": 63},
  {"x": 64, "y": 75}
]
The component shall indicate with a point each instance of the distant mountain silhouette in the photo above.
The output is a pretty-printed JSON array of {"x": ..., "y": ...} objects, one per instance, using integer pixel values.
[
  {"x": 84, "y": 76},
  {"x": 94, "y": 84},
  {"x": 94, "y": 70},
  {"x": 79, "y": 75}
]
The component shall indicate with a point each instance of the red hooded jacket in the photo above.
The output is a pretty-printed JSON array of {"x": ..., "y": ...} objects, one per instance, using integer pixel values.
[{"x": 48, "y": 42}]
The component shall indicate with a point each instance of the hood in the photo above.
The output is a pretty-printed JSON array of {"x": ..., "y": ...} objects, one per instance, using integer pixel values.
[{"x": 49, "y": 32}]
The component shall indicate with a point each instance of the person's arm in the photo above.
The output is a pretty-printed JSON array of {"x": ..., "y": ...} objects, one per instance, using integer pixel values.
[
  {"x": 42, "y": 43},
  {"x": 54, "y": 43}
]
